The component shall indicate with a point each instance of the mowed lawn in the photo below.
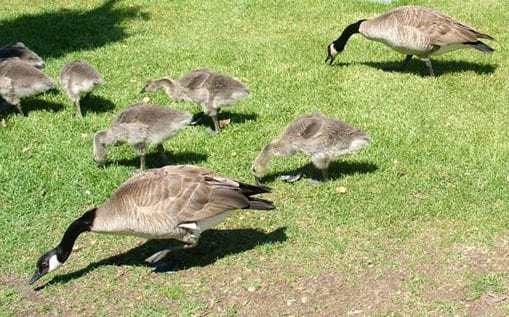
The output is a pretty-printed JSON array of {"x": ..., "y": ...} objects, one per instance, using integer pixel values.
[{"x": 416, "y": 224}]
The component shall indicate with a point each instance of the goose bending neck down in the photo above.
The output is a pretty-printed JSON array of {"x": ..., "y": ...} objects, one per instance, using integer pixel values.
[
  {"x": 173, "y": 202},
  {"x": 413, "y": 30}
]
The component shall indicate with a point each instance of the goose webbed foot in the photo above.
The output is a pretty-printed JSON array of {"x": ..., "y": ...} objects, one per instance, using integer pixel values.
[
  {"x": 212, "y": 131},
  {"x": 292, "y": 177},
  {"x": 167, "y": 266}
]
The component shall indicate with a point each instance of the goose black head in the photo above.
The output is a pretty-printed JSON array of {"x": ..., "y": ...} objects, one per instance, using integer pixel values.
[
  {"x": 48, "y": 262},
  {"x": 331, "y": 53}
]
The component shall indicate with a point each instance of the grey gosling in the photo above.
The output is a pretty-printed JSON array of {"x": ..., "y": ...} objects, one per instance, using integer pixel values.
[
  {"x": 78, "y": 78},
  {"x": 321, "y": 138},
  {"x": 141, "y": 125},
  {"x": 22, "y": 52},
  {"x": 19, "y": 79},
  {"x": 413, "y": 30},
  {"x": 172, "y": 202},
  {"x": 209, "y": 89}
]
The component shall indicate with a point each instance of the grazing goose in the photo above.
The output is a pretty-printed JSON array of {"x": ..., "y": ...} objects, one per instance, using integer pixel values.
[
  {"x": 19, "y": 79},
  {"x": 412, "y": 30},
  {"x": 22, "y": 52},
  {"x": 141, "y": 125},
  {"x": 211, "y": 90},
  {"x": 322, "y": 138},
  {"x": 173, "y": 202},
  {"x": 79, "y": 77}
]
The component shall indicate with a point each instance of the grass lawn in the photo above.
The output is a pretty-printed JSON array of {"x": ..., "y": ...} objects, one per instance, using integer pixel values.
[{"x": 422, "y": 229}]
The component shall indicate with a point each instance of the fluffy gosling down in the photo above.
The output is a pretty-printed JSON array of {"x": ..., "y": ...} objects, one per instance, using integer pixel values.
[
  {"x": 141, "y": 125},
  {"x": 412, "y": 30},
  {"x": 173, "y": 202},
  {"x": 20, "y": 79},
  {"x": 22, "y": 52},
  {"x": 321, "y": 138},
  {"x": 79, "y": 78},
  {"x": 211, "y": 90}
]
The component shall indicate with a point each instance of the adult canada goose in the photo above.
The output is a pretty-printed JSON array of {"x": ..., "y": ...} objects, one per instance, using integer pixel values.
[
  {"x": 173, "y": 202},
  {"x": 79, "y": 77},
  {"x": 19, "y": 79},
  {"x": 141, "y": 125},
  {"x": 22, "y": 52},
  {"x": 412, "y": 30},
  {"x": 321, "y": 138},
  {"x": 209, "y": 89}
]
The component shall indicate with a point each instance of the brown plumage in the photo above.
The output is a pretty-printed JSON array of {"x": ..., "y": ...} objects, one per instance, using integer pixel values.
[
  {"x": 320, "y": 137},
  {"x": 19, "y": 79},
  {"x": 141, "y": 125},
  {"x": 78, "y": 78},
  {"x": 209, "y": 89},
  {"x": 173, "y": 202},
  {"x": 413, "y": 30}
]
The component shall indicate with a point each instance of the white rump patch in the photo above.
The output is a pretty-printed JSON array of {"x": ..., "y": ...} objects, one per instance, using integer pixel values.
[{"x": 189, "y": 225}]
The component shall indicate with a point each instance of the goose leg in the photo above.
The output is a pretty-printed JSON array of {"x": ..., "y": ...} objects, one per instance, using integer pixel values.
[
  {"x": 217, "y": 129},
  {"x": 78, "y": 108},
  {"x": 162, "y": 153},
  {"x": 18, "y": 107},
  {"x": 428, "y": 63},
  {"x": 404, "y": 64}
]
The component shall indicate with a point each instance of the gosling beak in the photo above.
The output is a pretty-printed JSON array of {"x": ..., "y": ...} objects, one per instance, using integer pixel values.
[
  {"x": 258, "y": 180},
  {"x": 142, "y": 90},
  {"x": 37, "y": 275}
]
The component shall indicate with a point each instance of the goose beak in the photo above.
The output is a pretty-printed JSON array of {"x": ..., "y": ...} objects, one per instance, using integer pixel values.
[
  {"x": 37, "y": 275},
  {"x": 329, "y": 58}
]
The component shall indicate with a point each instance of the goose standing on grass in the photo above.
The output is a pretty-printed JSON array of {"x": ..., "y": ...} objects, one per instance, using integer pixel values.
[
  {"x": 77, "y": 78},
  {"x": 412, "y": 30},
  {"x": 173, "y": 202},
  {"x": 22, "y": 52},
  {"x": 19, "y": 79},
  {"x": 321, "y": 138},
  {"x": 141, "y": 125},
  {"x": 209, "y": 89}
]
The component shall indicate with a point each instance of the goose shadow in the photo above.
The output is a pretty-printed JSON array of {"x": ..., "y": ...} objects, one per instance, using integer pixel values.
[
  {"x": 28, "y": 105},
  {"x": 419, "y": 68},
  {"x": 95, "y": 104},
  {"x": 234, "y": 117},
  {"x": 337, "y": 169},
  {"x": 77, "y": 30},
  {"x": 213, "y": 245},
  {"x": 153, "y": 159}
]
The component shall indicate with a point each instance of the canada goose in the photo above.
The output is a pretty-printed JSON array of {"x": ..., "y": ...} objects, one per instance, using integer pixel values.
[
  {"x": 79, "y": 77},
  {"x": 22, "y": 52},
  {"x": 19, "y": 79},
  {"x": 172, "y": 202},
  {"x": 141, "y": 125},
  {"x": 412, "y": 30},
  {"x": 322, "y": 138},
  {"x": 209, "y": 89}
]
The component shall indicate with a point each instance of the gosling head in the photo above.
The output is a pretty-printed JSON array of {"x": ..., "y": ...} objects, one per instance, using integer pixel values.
[
  {"x": 48, "y": 262},
  {"x": 154, "y": 85},
  {"x": 27, "y": 55},
  {"x": 258, "y": 170},
  {"x": 100, "y": 154},
  {"x": 332, "y": 52}
]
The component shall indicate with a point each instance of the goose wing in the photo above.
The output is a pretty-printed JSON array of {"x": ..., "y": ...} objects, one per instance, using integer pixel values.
[{"x": 196, "y": 78}]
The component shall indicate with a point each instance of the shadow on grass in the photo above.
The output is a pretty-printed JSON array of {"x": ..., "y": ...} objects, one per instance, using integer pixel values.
[
  {"x": 153, "y": 159},
  {"x": 223, "y": 115},
  {"x": 56, "y": 33},
  {"x": 213, "y": 245},
  {"x": 419, "y": 68},
  {"x": 337, "y": 169},
  {"x": 95, "y": 104}
]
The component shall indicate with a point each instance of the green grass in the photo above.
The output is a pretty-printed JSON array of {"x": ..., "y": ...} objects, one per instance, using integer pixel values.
[{"x": 422, "y": 228}]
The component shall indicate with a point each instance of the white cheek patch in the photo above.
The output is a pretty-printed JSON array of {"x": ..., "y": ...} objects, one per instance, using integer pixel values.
[
  {"x": 333, "y": 51},
  {"x": 53, "y": 263}
]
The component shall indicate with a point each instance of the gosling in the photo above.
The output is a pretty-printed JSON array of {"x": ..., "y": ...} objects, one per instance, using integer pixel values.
[
  {"x": 19, "y": 79},
  {"x": 321, "y": 138},
  {"x": 22, "y": 52},
  {"x": 79, "y": 78},
  {"x": 141, "y": 125},
  {"x": 211, "y": 90}
]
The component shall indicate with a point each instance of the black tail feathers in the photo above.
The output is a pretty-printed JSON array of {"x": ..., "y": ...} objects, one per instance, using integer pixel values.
[
  {"x": 260, "y": 204},
  {"x": 480, "y": 46}
]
